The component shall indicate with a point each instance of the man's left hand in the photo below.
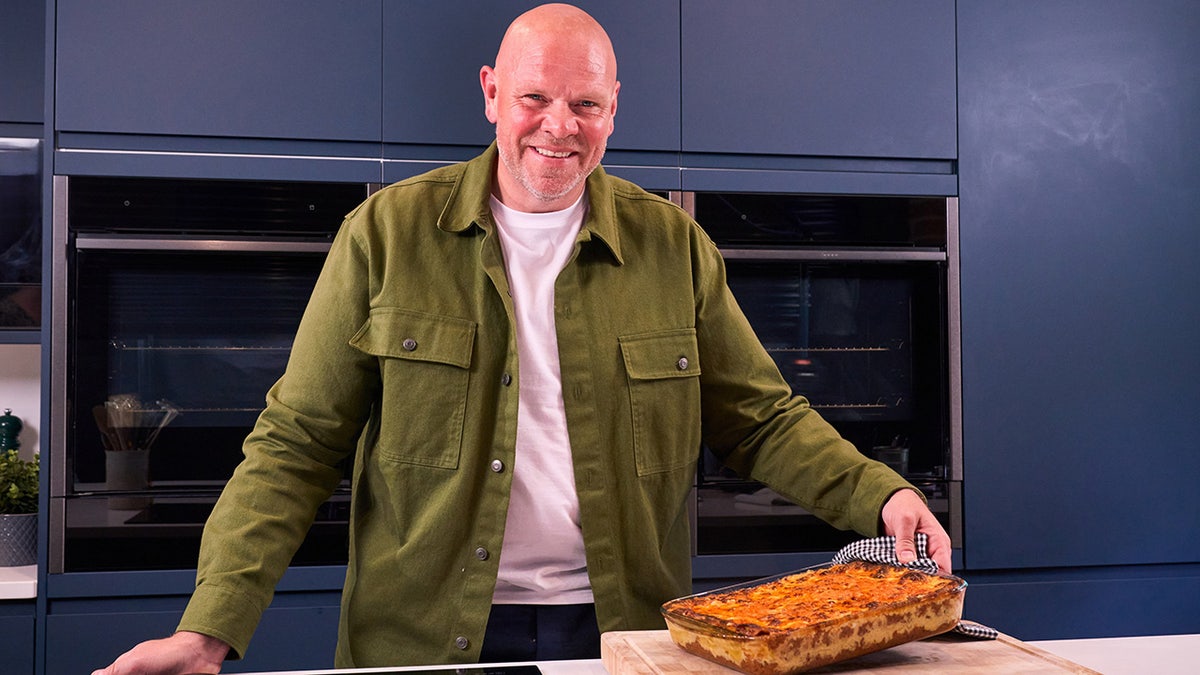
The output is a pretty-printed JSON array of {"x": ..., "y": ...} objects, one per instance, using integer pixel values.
[{"x": 905, "y": 514}]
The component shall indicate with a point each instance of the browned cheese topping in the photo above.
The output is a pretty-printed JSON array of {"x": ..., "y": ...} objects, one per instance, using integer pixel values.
[{"x": 808, "y": 598}]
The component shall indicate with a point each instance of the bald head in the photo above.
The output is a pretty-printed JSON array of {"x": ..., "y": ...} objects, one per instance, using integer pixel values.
[{"x": 557, "y": 26}]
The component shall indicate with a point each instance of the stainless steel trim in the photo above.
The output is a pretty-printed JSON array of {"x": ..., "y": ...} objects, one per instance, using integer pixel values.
[
  {"x": 237, "y": 155},
  {"x": 58, "y": 374},
  {"x": 956, "y": 513},
  {"x": 684, "y": 200},
  {"x": 693, "y": 504},
  {"x": 188, "y": 244},
  {"x": 837, "y": 255},
  {"x": 954, "y": 340}
]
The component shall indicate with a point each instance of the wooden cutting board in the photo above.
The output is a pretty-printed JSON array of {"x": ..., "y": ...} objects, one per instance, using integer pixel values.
[{"x": 652, "y": 652}]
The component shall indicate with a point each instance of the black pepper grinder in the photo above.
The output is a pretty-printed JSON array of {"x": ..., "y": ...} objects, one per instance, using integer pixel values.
[{"x": 10, "y": 428}]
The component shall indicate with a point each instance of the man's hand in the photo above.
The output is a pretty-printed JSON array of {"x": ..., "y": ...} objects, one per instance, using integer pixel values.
[
  {"x": 905, "y": 514},
  {"x": 181, "y": 654}
]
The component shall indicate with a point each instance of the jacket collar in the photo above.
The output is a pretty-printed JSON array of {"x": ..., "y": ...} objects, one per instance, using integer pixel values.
[{"x": 468, "y": 205}]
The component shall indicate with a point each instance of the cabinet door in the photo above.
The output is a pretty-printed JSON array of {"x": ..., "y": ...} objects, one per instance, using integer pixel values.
[
  {"x": 22, "y": 59},
  {"x": 16, "y": 638},
  {"x": 433, "y": 52},
  {"x": 1078, "y": 225},
  {"x": 280, "y": 69},
  {"x": 287, "y": 638},
  {"x": 854, "y": 78}
]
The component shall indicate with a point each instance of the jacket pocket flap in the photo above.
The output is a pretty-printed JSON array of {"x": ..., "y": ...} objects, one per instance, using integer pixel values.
[
  {"x": 661, "y": 355},
  {"x": 405, "y": 334}
]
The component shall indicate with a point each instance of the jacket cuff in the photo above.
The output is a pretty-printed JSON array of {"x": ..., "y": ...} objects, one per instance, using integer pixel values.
[
  {"x": 869, "y": 519},
  {"x": 222, "y": 613}
]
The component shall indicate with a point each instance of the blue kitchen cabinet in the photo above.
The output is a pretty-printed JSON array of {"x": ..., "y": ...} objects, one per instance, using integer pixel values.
[
  {"x": 850, "y": 79},
  {"x": 1078, "y": 222},
  {"x": 298, "y": 632},
  {"x": 22, "y": 61},
  {"x": 270, "y": 69},
  {"x": 1086, "y": 602},
  {"x": 16, "y": 637}
]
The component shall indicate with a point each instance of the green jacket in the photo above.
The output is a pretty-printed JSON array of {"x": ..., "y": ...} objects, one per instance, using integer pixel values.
[{"x": 406, "y": 357}]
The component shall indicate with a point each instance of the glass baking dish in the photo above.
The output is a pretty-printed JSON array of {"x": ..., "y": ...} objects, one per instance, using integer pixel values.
[{"x": 763, "y": 644}]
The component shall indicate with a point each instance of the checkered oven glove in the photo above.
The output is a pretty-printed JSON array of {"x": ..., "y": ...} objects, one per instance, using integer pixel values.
[{"x": 883, "y": 550}]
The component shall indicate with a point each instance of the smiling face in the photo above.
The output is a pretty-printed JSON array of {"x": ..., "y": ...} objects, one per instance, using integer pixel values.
[{"x": 552, "y": 96}]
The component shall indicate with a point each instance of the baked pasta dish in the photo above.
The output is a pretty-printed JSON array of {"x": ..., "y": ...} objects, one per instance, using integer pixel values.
[{"x": 812, "y": 618}]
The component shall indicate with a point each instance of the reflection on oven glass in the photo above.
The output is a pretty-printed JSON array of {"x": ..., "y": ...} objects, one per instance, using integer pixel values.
[{"x": 20, "y": 233}]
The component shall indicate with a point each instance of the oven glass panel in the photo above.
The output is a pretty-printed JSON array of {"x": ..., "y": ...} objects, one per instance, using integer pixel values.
[
  {"x": 186, "y": 347},
  {"x": 20, "y": 234},
  {"x": 736, "y": 219},
  {"x": 173, "y": 355}
]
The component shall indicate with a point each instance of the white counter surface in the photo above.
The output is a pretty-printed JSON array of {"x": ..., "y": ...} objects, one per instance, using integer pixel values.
[
  {"x": 18, "y": 583},
  {"x": 1159, "y": 654},
  {"x": 584, "y": 667}
]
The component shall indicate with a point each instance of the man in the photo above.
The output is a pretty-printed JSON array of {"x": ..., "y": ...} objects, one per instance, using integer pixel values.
[{"x": 523, "y": 355}]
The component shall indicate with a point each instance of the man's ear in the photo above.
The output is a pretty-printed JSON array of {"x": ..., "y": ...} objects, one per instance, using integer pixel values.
[
  {"x": 612, "y": 111},
  {"x": 487, "y": 82}
]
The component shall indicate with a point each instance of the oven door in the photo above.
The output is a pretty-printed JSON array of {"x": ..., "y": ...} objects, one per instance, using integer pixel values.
[
  {"x": 172, "y": 346},
  {"x": 853, "y": 297},
  {"x": 167, "y": 345}
]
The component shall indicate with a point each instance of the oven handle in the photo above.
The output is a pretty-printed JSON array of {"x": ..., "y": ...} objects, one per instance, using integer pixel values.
[
  {"x": 835, "y": 255},
  {"x": 186, "y": 244}
]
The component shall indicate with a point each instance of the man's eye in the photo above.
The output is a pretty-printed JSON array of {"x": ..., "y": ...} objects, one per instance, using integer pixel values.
[
  {"x": 587, "y": 104},
  {"x": 534, "y": 97}
]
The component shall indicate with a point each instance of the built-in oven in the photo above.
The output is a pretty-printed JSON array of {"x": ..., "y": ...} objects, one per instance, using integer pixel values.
[
  {"x": 856, "y": 299},
  {"x": 176, "y": 301},
  {"x": 176, "y": 304}
]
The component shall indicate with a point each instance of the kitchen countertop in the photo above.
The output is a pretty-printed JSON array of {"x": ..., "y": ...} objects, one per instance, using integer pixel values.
[
  {"x": 18, "y": 583},
  {"x": 582, "y": 667},
  {"x": 1159, "y": 654}
]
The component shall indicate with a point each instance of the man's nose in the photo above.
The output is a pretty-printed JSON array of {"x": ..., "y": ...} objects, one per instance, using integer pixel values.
[{"x": 560, "y": 120}]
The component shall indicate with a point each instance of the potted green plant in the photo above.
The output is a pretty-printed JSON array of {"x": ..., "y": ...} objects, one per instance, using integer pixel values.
[{"x": 18, "y": 509}]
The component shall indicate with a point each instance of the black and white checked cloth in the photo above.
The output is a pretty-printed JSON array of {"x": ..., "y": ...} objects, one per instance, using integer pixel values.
[{"x": 883, "y": 550}]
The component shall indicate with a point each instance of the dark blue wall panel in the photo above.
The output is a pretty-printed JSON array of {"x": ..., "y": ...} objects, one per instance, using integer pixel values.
[{"x": 1080, "y": 234}]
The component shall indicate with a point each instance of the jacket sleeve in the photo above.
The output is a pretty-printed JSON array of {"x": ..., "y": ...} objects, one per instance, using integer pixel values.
[
  {"x": 758, "y": 427},
  {"x": 292, "y": 464}
]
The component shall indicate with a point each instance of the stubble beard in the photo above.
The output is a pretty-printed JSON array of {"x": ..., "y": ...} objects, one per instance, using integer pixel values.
[{"x": 555, "y": 187}]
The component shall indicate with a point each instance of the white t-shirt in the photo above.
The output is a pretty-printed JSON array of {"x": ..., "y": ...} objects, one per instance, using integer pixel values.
[{"x": 542, "y": 560}]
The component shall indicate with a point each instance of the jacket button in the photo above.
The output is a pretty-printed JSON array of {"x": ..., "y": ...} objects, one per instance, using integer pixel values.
[
  {"x": 497, "y": 465},
  {"x": 481, "y": 553},
  {"x": 506, "y": 379},
  {"x": 461, "y": 642},
  {"x": 409, "y": 344},
  {"x": 682, "y": 363}
]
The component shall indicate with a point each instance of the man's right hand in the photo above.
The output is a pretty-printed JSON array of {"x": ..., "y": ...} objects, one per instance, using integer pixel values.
[{"x": 183, "y": 653}]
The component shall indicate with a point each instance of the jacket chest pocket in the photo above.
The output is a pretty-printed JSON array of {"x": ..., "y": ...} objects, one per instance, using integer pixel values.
[
  {"x": 424, "y": 362},
  {"x": 663, "y": 374}
]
